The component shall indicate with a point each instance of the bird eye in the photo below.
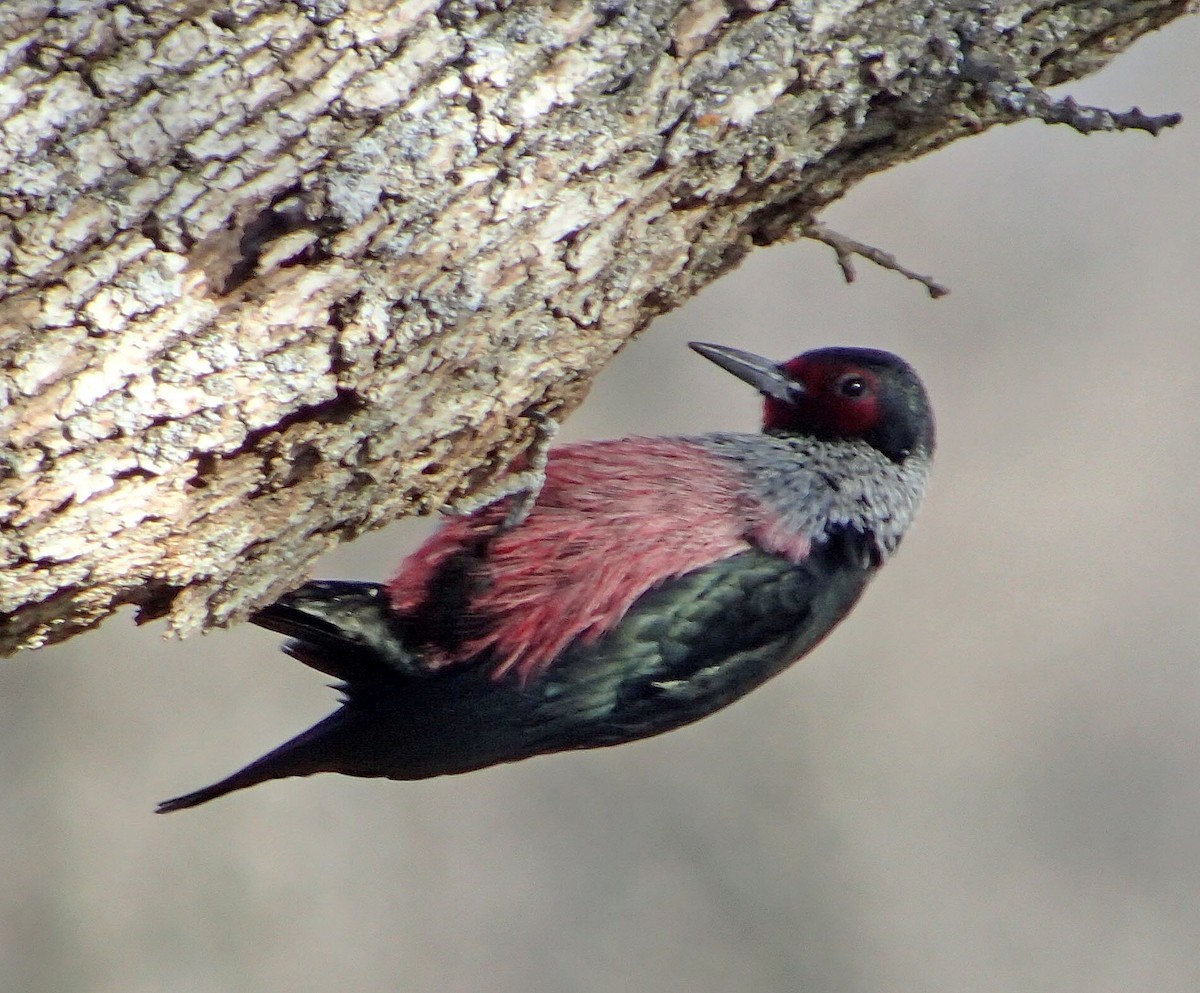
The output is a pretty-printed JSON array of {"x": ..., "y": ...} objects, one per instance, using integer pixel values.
[{"x": 852, "y": 385}]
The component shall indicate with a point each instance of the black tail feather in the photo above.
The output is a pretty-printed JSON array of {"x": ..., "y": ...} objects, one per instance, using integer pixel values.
[
  {"x": 315, "y": 750},
  {"x": 346, "y": 630}
]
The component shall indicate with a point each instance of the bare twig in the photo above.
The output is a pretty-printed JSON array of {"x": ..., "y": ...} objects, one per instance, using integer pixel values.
[
  {"x": 1089, "y": 119},
  {"x": 1033, "y": 102},
  {"x": 846, "y": 248},
  {"x": 1010, "y": 91}
]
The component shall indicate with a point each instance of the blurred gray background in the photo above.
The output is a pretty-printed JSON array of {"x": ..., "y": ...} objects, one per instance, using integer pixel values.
[{"x": 988, "y": 779}]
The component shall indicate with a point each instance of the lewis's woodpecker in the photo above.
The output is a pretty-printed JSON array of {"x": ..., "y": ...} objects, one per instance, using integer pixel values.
[{"x": 652, "y": 582}]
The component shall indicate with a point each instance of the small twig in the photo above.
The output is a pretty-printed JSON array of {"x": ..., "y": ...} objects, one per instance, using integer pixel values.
[
  {"x": 1033, "y": 102},
  {"x": 1009, "y": 90},
  {"x": 846, "y": 248}
]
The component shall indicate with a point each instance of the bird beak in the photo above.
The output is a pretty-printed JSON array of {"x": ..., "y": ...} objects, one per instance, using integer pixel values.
[{"x": 763, "y": 374}]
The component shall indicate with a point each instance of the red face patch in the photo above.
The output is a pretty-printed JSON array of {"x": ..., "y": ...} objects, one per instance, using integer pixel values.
[{"x": 837, "y": 400}]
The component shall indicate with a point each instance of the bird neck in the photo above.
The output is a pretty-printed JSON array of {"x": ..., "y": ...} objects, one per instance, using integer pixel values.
[{"x": 808, "y": 489}]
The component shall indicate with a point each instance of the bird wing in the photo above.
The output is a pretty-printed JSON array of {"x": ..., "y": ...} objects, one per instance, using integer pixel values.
[
  {"x": 613, "y": 520},
  {"x": 698, "y": 642},
  {"x": 344, "y": 629}
]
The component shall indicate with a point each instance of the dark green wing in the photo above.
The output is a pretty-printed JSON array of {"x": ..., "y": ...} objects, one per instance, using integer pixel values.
[{"x": 699, "y": 642}]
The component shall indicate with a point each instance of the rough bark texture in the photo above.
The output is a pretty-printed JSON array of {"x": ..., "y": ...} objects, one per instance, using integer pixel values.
[{"x": 277, "y": 274}]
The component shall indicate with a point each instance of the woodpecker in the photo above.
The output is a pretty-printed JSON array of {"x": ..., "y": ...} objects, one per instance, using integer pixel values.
[{"x": 651, "y": 582}]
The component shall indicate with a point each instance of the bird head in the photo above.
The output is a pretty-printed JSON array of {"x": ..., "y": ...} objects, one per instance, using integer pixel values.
[{"x": 838, "y": 394}]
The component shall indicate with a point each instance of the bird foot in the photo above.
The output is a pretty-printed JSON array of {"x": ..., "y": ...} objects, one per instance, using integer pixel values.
[{"x": 524, "y": 485}]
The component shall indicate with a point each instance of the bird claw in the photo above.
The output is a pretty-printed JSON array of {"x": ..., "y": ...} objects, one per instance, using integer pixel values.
[{"x": 523, "y": 486}]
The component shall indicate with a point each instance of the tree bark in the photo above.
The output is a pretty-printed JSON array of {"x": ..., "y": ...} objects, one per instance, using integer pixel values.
[{"x": 277, "y": 274}]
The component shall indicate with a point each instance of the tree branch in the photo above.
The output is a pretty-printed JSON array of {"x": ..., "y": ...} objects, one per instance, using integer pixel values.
[{"x": 275, "y": 275}]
